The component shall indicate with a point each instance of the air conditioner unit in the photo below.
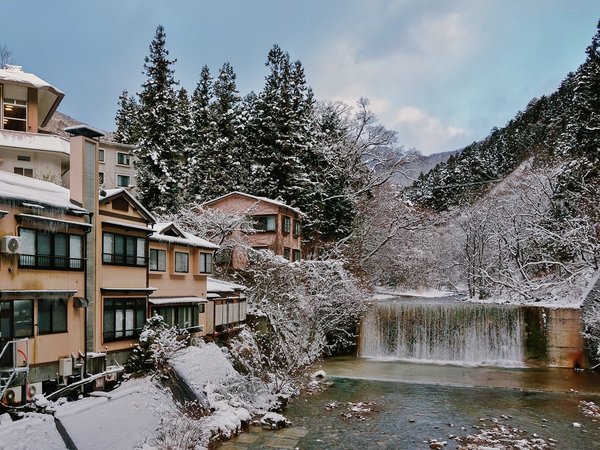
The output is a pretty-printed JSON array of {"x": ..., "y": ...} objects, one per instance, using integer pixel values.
[
  {"x": 12, "y": 396},
  {"x": 65, "y": 367},
  {"x": 10, "y": 245},
  {"x": 34, "y": 389}
]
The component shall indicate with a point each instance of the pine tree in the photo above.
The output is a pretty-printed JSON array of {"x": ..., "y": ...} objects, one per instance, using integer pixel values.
[
  {"x": 127, "y": 120},
  {"x": 161, "y": 139}
]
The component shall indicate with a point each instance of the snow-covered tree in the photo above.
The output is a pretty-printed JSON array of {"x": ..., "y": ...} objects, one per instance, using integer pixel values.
[
  {"x": 127, "y": 120},
  {"x": 161, "y": 140}
]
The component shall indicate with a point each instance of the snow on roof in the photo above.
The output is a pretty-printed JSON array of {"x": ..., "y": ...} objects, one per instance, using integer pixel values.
[
  {"x": 48, "y": 96},
  {"x": 214, "y": 285},
  {"x": 107, "y": 194},
  {"x": 186, "y": 239},
  {"x": 35, "y": 430},
  {"x": 34, "y": 141},
  {"x": 175, "y": 300},
  {"x": 254, "y": 197},
  {"x": 123, "y": 418},
  {"x": 38, "y": 192}
]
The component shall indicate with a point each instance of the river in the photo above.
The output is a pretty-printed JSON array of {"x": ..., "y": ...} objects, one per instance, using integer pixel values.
[{"x": 415, "y": 403}]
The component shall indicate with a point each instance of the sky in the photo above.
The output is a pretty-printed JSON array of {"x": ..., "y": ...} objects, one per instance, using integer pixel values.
[{"x": 441, "y": 73}]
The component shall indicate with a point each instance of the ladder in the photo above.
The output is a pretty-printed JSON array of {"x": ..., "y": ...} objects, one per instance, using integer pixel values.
[{"x": 14, "y": 360}]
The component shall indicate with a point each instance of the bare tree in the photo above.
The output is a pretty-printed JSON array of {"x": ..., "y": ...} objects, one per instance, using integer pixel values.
[{"x": 5, "y": 55}]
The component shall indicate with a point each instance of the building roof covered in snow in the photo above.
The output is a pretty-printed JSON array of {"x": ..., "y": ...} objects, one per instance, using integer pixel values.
[
  {"x": 36, "y": 193},
  {"x": 253, "y": 197},
  {"x": 170, "y": 232},
  {"x": 49, "y": 97}
]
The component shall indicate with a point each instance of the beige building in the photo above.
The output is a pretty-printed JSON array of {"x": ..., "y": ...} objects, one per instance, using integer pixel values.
[
  {"x": 179, "y": 267},
  {"x": 278, "y": 226},
  {"x": 115, "y": 168},
  {"x": 42, "y": 280},
  {"x": 226, "y": 309}
]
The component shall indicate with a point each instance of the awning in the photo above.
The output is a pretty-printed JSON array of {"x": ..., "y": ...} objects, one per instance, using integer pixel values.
[
  {"x": 212, "y": 295},
  {"x": 126, "y": 226},
  {"x": 176, "y": 300},
  {"x": 36, "y": 293},
  {"x": 127, "y": 290},
  {"x": 57, "y": 223}
]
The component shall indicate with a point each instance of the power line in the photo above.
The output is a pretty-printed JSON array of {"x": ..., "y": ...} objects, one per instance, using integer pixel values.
[{"x": 448, "y": 186}]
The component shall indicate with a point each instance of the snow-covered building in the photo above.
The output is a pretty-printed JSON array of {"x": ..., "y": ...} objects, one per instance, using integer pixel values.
[
  {"x": 278, "y": 226},
  {"x": 226, "y": 309},
  {"x": 42, "y": 280},
  {"x": 26, "y": 104},
  {"x": 179, "y": 266}
]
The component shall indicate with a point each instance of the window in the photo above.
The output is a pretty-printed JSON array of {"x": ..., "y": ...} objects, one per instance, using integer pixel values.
[
  {"x": 287, "y": 225},
  {"x": 124, "y": 318},
  {"x": 23, "y": 158},
  {"x": 123, "y": 180},
  {"x": 297, "y": 255},
  {"x": 23, "y": 171},
  {"x": 265, "y": 223},
  {"x": 100, "y": 177},
  {"x": 158, "y": 260},
  {"x": 297, "y": 228},
  {"x": 182, "y": 262},
  {"x": 16, "y": 318},
  {"x": 180, "y": 316},
  {"x": 52, "y": 316},
  {"x": 123, "y": 159},
  {"x": 15, "y": 115},
  {"x": 206, "y": 262},
  {"x": 123, "y": 250},
  {"x": 286, "y": 253},
  {"x": 44, "y": 250},
  {"x": 101, "y": 155}
]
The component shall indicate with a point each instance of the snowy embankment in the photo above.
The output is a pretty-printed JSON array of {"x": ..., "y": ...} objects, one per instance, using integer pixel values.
[{"x": 141, "y": 413}]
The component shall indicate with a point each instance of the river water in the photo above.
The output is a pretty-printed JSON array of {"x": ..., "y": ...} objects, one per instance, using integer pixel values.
[{"x": 415, "y": 403}]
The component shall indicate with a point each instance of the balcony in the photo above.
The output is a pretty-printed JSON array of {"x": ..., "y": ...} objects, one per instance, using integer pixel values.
[{"x": 50, "y": 262}]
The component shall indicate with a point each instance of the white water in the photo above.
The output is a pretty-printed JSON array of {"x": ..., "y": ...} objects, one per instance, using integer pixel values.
[{"x": 444, "y": 332}]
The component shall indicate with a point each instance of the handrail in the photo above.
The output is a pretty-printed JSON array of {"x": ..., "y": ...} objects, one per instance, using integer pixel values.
[{"x": 14, "y": 368}]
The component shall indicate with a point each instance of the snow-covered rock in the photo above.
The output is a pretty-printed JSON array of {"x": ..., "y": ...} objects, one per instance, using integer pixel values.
[{"x": 274, "y": 421}]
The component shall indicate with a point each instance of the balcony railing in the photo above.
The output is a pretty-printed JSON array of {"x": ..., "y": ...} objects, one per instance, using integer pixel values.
[
  {"x": 124, "y": 260},
  {"x": 50, "y": 262}
]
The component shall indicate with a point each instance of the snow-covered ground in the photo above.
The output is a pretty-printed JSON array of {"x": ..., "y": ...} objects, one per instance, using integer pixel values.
[
  {"x": 141, "y": 413},
  {"x": 389, "y": 294}
]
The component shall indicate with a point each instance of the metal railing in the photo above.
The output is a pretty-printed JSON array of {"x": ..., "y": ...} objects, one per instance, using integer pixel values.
[
  {"x": 51, "y": 262},
  {"x": 13, "y": 361}
]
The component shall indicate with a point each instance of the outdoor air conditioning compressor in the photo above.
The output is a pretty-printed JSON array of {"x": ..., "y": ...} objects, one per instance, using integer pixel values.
[{"x": 10, "y": 245}]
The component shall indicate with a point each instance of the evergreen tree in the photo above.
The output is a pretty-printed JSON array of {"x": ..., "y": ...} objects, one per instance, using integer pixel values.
[
  {"x": 127, "y": 120},
  {"x": 159, "y": 155}
]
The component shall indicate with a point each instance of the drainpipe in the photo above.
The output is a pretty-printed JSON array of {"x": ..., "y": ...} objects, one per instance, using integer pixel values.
[{"x": 85, "y": 294}]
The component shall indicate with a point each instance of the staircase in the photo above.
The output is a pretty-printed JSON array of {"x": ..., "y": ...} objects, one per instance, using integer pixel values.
[{"x": 14, "y": 360}]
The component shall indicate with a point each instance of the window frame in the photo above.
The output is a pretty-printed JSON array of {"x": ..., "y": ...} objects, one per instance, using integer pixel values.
[
  {"x": 158, "y": 251},
  {"x": 206, "y": 262},
  {"x": 100, "y": 178},
  {"x": 287, "y": 225},
  {"x": 110, "y": 308},
  {"x": 53, "y": 312},
  {"x": 128, "y": 177},
  {"x": 122, "y": 258},
  {"x": 127, "y": 158},
  {"x": 187, "y": 262},
  {"x": 50, "y": 261},
  {"x": 173, "y": 314},
  {"x": 296, "y": 255},
  {"x": 101, "y": 155},
  {"x": 287, "y": 253},
  {"x": 15, "y": 104},
  {"x": 23, "y": 171},
  {"x": 297, "y": 228},
  {"x": 258, "y": 223},
  {"x": 11, "y": 317}
]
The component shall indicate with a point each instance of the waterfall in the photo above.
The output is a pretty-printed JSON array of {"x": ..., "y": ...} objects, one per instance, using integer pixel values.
[{"x": 444, "y": 332}]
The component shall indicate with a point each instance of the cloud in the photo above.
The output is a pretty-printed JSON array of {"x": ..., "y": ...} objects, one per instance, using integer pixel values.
[
  {"x": 424, "y": 132},
  {"x": 404, "y": 61}
]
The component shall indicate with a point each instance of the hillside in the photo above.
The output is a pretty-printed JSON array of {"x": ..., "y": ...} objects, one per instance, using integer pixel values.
[
  {"x": 561, "y": 128},
  {"x": 59, "y": 121},
  {"x": 421, "y": 165}
]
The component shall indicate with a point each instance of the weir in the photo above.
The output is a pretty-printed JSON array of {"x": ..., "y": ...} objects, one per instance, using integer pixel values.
[{"x": 445, "y": 331}]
